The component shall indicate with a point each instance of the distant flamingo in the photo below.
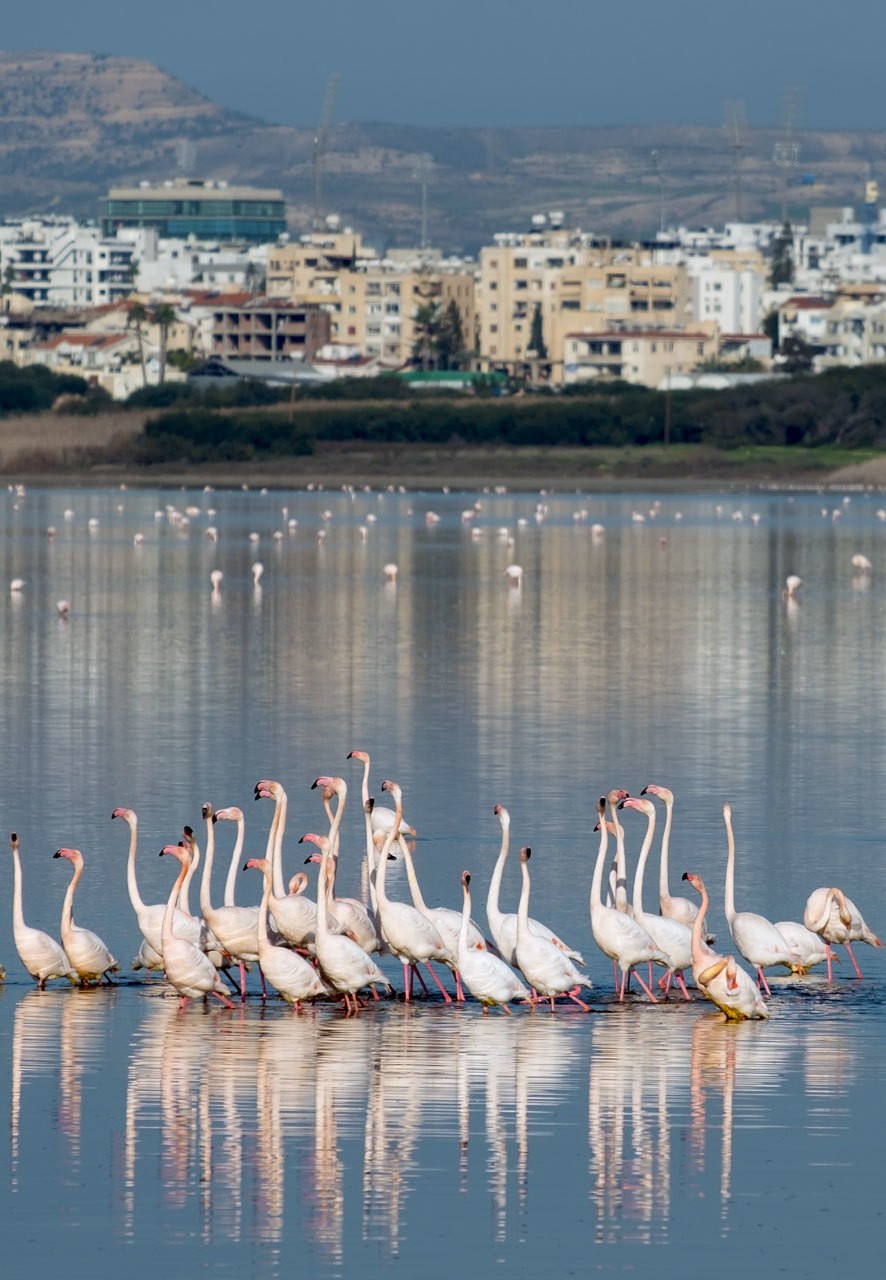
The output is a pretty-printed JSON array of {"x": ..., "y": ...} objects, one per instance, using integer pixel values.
[
  {"x": 41, "y": 955},
  {"x": 85, "y": 949},
  {"x": 382, "y": 819},
  {"x": 719, "y": 978}
]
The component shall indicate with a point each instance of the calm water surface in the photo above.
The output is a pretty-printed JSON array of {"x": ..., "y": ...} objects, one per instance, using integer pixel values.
[{"x": 639, "y": 1140}]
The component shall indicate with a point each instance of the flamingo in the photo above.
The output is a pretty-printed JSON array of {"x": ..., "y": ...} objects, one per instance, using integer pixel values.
[
  {"x": 349, "y": 913},
  {"x": 719, "y": 978},
  {"x": 487, "y": 977},
  {"x": 85, "y": 949},
  {"x": 503, "y": 926},
  {"x": 285, "y": 969},
  {"x": 382, "y": 819},
  {"x": 409, "y": 935},
  {"x": 544, "y": 966},
  {"x": 188, "y": 968},
  {"x": 150, "y": 915},
  {"x": 675, "y": 908},
  {"x": 669, "y": 935},
  {"x": 624, "y": 940},
  {"x": 41, "y": 955},
  {"x": 295, "y": 915},
  {"x": 837, "y": 919},
  {"x": 343, "y": 962},
  {"x": 236, "y": 928},
  {"x": 757, "y": 938},
  {"x": 811, "y": 948}
]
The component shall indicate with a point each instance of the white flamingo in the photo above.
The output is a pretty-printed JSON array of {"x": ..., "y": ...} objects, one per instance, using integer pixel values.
[
  {"x": 236, "y": 928},
  {"x": 344, "y": 964},
  {"x": 295, "y": 915},
  {"x": 503, "y": 925},
  {"x": 546, "y": 968},
  {"x": 618, "y": 936},
  {"x": 837, "y": 920},
  {"x": 757, "y": 938},
  {"x": 668, "y": 934},
  {"x": 293, "y": 977},
  {"x": 350, "y": 915},
  {"x": 188, "y": 968},
  {"x": 672, "y": 906},
  {"x": 41, "y": 955},
  {"x": 409, "y": 935},
  {"x": 85, "y": 949},
  {"x": 382, "y": 818},
  {"x": 485, "y": 975},
  {"x": 719, "y": 978}
]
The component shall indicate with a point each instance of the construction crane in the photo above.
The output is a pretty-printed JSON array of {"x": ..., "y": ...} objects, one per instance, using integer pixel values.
[
  {"x": 736, "y": 123},
  {"x": 320, "y": 138},
  {"x": 786, "y": 152}
]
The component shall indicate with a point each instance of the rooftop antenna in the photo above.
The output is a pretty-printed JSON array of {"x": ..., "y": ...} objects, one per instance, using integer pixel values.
[
  {"x": 320, "y": 138},
  {"x": 655, "y": 157},
  {"x": 786, "y": 152},
  {"x": 737, "y": 124},
  {"x": 423, "y": 170}
]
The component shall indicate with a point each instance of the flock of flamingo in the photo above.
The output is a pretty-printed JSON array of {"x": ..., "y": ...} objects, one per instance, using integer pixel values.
[{"x": 307, "y": 949}]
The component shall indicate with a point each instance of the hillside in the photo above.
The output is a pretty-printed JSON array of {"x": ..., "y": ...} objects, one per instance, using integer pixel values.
[{"x": 74, "y": 123}]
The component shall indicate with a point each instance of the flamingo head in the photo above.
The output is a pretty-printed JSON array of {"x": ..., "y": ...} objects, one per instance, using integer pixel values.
[
  {"x": 266, "y": 789},
  {"x": 257, "y": 864},
  {"x": 73, "y": 855},
  {"x": 393, "y": 787},
  {"x": 662, "y": 792},
  {"x": 176, "y": 850},
  {"x": 336, "y": 786},
  {"x": 313, "y": 857},
  {"x": 840, "y": 899},
  {"x": 369, "y": 805},
  {"x": 609, "y": 825},
  {"x": 13, "y": 842},
  {"x": 635, "y": 802},
  {"x": 727, "y": 811},
  {"x": 311, "y": 837},
  {"x": 731, "y": 979},
  {"x": 694, "y": 880},
  {"x": 207, "y": 811},
  {"x": 231, "y": 814},
  {"x": 502, "y": 814},
  {"x": 616, "y": 795},
  {"x": 525, "y": 854},
  {"x": 126, "y": 814},
  {"x": 362, "y": 756},
  {"x": 466, "y": 880},
  {"x": 298, "y": 883}
]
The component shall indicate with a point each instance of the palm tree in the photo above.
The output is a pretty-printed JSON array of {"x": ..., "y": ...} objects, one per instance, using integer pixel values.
[
  {"x": 136, "y": 318},
  {"x": 164, "y": 317}
]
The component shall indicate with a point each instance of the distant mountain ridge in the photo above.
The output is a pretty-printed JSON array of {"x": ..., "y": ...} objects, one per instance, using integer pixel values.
[{"x": 71, "y": 124}]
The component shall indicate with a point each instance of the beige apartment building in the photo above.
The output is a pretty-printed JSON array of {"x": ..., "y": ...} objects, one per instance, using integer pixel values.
[
  {"x": 371, "y": 303},
  {"x": 571, "y": 282},
  {"x": 646, "y": 357}
]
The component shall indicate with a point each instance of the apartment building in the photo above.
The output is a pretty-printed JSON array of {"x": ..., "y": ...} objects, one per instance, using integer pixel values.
[
  {"x": 371, "y": 302},
  {"x": 196, "y": 206},
  {"x": 58, "y": 262},
  {"x": 646, "y": 357},
  {"x": 266, "y": 329},
  {"x": 560, "y": 279}
]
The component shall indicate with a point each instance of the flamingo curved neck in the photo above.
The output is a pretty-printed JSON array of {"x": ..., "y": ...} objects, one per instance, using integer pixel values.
[
  {"x": 414, "y": 887},
  {"x": 523, "y": 906},
  {"x": 18, "y": 919},
  {"x": 134, "y": 896},
  {"x": 263, "y": 938},
  {"x": 698, "y": 947},
  {"x": 381, "y": 870},
  {"x": 68, "y": 906},
  {"x": 664, "y": 893},
  {"x": 493, "y": 911},
  {"x": 465, "y": 920},
  {"x": 597, "y": 881},
  {"x": 169, "y": 913},
  {"x": 729, "y": 900},
  {"x": 641, "y": 864},
  {"x": 621, "y": 875},
  {"x": 184, "y": 897},
  {"x": 277, "y": 855},
  {"x": 231, "y": 881},
  {"x": 205, "y": 880}
]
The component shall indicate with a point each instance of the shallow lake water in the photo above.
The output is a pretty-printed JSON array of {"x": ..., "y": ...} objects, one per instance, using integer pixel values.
[{"x": 635, "y": 1139}]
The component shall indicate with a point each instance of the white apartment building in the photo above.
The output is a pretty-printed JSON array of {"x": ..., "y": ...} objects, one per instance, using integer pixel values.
[
  {"x": 166, "y": 264},
  {"x": 59, "y": 262},
  {"x": 732, "y": 299}
]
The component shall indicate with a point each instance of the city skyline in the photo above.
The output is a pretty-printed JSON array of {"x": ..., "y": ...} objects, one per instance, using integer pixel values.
[{"x": 496, "y": 65}]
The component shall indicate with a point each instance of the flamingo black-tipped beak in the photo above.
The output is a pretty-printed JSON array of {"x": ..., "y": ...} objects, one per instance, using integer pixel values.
[
  {"x": 57, "y": 854},
  {"x": 685, "y": 875},
  {"x": 245, "y": 866}
]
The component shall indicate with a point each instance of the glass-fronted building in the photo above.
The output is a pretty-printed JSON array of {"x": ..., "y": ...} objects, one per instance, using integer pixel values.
[{"x": 207, "y": 210}]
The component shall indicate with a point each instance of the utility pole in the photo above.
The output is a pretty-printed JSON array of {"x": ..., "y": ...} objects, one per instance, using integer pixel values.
[
  {"x": 320, "y": 138},
  {"x": 736, "y": 122},
  {"x": 786, "y": 152},
  {"x": 655, "y": 156},
  {"x": 423, "y": 174}
]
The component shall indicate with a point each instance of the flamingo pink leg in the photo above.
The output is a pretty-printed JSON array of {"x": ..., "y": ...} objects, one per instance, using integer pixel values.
[
  {"x": 446, "y": 996},
  {"x": 407, "y": 982},
  {"x": 182, "y": 1002},
  {"x": 504, "y": 1006},
  {"x": 459, "y": 993},
  {"x": 664, "y": 982},
  {"x": 827, "y": 947},
  {"x": 761, "y": 978},
  {"x": 581, "y": 1003},
  {"x": 853, "y": 959},
  {"x": 619, "y": 983},
  {"x": 224, "y": 1000},
  {"x": 682, "y": 986},
  {"x": 648, "y": 990},
  {"x": 424, "y": 986},
  {"x": 242, "y": 980},
  {"x": 264, "y": 990}
]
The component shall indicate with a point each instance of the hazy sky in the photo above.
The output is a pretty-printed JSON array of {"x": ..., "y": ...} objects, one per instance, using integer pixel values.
[{"x": 494, "y": 62}]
